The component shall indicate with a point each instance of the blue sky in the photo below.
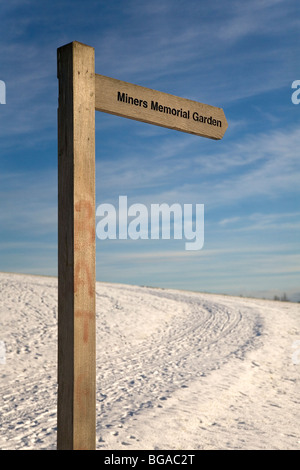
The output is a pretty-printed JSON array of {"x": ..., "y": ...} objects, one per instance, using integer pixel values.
[{"x": 240, "y": 56}]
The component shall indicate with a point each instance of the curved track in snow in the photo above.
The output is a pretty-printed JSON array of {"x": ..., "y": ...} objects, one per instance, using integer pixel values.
[{"x": 153, "y": 345}]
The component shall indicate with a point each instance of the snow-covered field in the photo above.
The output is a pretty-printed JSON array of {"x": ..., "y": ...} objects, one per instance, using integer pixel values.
[{"x": 175, "y": 370}]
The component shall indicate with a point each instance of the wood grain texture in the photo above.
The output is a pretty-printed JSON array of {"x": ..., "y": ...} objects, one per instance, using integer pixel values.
[
  {"x": 76, "y": 248},
  {"x": 158, "y": 108}
]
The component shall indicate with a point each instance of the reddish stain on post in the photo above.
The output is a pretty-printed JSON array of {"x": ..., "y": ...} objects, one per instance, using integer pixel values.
[
  {"x": 83, "y": 277},
  {"x": 84, "y": 222},
  {"x": 86, "y": 316}
]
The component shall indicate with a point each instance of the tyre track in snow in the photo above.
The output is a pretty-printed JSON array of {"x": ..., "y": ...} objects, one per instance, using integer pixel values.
[{"x": 200, "y": 337}]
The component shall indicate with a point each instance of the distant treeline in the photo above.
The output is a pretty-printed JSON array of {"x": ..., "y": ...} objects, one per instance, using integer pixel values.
[{"x": 283, "y": 298}]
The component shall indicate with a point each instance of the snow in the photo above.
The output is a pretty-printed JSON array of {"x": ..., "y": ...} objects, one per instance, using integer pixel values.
[{"x": 175, "y": 369}]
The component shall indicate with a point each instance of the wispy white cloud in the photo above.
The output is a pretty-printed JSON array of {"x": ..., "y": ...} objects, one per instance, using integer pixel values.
[
  {"x": 262, "y": 221},
  {"x": 264, "y": 165},
  {"x": 208, "y": 43},
  {"x": 257, "y": 17},
  {"x": 255, "y": 270}
]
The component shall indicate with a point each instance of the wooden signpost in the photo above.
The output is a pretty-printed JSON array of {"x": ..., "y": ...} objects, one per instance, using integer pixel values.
[{"x": 81, "y": 92}]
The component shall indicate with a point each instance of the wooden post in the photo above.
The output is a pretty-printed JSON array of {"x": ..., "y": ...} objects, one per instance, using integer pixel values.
[{"x": 76, "y": 420}]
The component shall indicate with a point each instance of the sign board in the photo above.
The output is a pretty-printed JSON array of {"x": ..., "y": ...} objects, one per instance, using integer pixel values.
[{"x": 158, "y": 108}]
